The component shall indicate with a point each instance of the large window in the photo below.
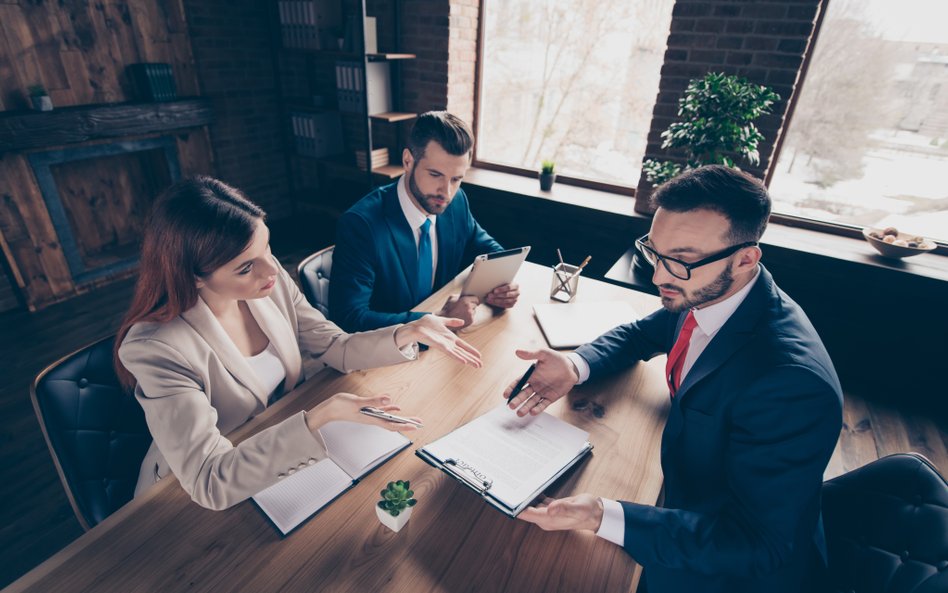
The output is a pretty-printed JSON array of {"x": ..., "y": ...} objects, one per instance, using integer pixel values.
[
  {"x": 868, "y": 141},
  {"x": 572, "y": 81}
]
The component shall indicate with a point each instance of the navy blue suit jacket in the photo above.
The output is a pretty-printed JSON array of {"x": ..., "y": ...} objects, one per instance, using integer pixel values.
[
  {"x": 743, "y": 452},
  {"x": 375, "y": 262}
]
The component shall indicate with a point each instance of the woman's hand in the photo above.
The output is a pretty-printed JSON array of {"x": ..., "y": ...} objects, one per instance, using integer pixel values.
[
  {"x": 346, "y": 406},
  {"x": 436, "y": 332}
]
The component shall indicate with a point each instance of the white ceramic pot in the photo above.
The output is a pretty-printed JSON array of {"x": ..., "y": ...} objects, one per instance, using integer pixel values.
[
  {"x": 43, "y": 103},
  {"x": 393, "y": 523}
]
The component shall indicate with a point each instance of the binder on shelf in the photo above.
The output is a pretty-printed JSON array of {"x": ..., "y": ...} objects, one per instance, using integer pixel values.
[
  {"x": 354, "y": 451},
  {"x": 507, "y": 460},
  {"x": 371, "y": 35},
  {"x": 308, "y": 24},
  {"x": 349, "y": 92},
  {"x": 152, "y": 81},
  {"x": 317, "y": 135}
]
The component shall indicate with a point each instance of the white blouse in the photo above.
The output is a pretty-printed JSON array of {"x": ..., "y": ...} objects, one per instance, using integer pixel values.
[{"x": 268, "y": 368}]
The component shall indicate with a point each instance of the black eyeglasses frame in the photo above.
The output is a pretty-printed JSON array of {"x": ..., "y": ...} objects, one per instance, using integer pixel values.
[{"x": 645, "y": 250}]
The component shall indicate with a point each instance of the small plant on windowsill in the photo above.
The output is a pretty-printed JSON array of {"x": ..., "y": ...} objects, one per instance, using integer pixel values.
[
  {"x": 395, "y": 508},
  {"x": 39, "y": 98},
  {"x": 547, "y": 175}
]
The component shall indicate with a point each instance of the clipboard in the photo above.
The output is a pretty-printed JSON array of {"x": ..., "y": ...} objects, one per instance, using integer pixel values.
[
  {"x": 480, "y": 483},
  {"x": 484, "y": 453}
]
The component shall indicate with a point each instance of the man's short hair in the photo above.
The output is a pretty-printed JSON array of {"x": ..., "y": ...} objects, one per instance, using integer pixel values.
[
  {"x": 449, "y": 131},
  {"x": 737, "y": 196}
]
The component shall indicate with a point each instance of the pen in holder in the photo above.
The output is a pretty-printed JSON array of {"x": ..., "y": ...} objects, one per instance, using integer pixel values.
[{"x": 565, "y": 282}]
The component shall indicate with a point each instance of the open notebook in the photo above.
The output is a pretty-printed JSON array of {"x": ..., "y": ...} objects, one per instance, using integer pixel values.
[
  {"x": 506, "y": 459},
  {"x": 354, "y": 450}
]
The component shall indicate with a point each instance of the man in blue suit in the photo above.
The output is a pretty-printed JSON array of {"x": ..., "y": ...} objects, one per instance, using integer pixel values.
[
  {"x": 403, "y": 241},
  {"x": 755, "y": 412}
]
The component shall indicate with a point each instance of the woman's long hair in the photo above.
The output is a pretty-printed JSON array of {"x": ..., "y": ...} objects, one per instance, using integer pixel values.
[{"x": 195, "y": 227}]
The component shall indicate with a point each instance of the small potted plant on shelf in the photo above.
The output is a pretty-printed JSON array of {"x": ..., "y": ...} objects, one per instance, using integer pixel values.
[
  {"x": 394, "y": 509},
  {"x": 40, "y": 99},
  {"x": 547, "y": 175}
]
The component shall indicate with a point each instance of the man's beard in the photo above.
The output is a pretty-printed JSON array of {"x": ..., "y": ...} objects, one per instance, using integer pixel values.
[
  {"x": 427, "y": 201},
  {"x": 707, "y": 293}
]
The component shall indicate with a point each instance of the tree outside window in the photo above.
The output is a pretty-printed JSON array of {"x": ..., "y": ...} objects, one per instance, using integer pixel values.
[
  {"x": 572, "y": 81},
  {"x": 868, "y": 141}
]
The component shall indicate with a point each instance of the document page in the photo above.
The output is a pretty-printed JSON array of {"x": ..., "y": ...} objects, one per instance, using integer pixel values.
[
  {"x": 517, "y": 454},
  {"x": 357, "y": 447},
  {"x": 293, "y": 499}
]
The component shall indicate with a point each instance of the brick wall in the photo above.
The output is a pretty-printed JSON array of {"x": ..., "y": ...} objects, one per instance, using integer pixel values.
[
  {"x": 443, "y": 33},
  {"x": 231, "y": 42},
  {"x": 763, "y": 41}
]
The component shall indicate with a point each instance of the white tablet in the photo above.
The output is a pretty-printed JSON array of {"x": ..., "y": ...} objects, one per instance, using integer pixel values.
[{"x": 491, "y": 270}]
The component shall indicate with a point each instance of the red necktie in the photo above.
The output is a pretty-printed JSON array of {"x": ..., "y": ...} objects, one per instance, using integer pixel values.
[{"x": 676, "y": 358}]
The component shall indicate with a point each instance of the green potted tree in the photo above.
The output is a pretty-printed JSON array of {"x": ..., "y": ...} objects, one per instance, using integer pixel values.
[
  {"x": 39, "y": 98},
  {"x": 547, "y": 175},
  {"x": 395, "y": 508},
  {"x": 717, "y": 115}
]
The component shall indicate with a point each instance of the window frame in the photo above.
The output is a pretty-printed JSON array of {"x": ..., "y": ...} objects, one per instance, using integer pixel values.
[
  {"x": 790, "y": 220},
  {"x": 623, "y": 190}
]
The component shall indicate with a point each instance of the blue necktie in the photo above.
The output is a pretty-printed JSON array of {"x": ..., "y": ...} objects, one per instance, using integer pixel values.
[{"x": 425, "y": 272}]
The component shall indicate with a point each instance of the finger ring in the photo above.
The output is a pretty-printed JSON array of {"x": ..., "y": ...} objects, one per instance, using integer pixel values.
[{"x": 541, "y": 400}]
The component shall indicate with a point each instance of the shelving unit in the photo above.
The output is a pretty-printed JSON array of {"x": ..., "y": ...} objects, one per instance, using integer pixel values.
[{"x": 351, "y": 105}]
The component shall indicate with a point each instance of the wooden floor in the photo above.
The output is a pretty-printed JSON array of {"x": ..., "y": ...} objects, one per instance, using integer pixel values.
[{"x": 36, "y": 518}]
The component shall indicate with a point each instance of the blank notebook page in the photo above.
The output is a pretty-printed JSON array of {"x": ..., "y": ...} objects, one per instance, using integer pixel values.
[
  {"x": 357, "y": 447},
  {"x": 291, "y": 500}
]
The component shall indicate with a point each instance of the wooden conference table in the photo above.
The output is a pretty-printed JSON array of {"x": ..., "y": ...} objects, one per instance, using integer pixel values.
[{"x": 454, "y": 541}]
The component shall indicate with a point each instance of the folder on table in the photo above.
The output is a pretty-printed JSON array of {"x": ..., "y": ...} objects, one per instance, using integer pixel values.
[{"x": 508, "y": 460}]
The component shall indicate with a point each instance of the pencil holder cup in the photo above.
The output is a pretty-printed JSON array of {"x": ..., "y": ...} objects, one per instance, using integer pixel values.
[{"x": 565, "y": 282}]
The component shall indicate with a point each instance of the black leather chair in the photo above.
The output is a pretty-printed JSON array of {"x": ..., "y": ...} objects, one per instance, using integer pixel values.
[
  {"x": 96, "y": 433},
  {"x": 887, "y": 527},
  {"x": 314, "y": 274}
]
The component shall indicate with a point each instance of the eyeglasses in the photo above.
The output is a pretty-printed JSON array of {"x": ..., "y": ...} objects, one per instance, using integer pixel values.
[{"x": 678, "y": 268}]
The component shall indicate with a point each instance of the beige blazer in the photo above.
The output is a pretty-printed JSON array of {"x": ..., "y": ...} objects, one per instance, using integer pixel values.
[{"x": 196, "y": 387}]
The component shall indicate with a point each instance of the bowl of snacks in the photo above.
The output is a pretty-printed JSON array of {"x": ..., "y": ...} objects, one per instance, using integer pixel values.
[{"x": 891, "y": 243}]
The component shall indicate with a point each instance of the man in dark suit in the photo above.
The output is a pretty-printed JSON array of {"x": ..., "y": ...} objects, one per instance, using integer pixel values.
[
  {"x": 755, "y": 413},
  {"x": 403, "y": 241}
]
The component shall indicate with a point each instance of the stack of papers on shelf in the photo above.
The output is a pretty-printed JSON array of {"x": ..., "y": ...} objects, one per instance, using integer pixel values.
[{"x": 379, "y": 158}]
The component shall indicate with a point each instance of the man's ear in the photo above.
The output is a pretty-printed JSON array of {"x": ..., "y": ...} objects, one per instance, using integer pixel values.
[
  {"x": 407, "y": 159},
  {"x": 749, "y": 258}
]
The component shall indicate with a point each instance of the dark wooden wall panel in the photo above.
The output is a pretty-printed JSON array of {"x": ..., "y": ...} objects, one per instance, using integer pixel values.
[{"x": 79, "y": 50}]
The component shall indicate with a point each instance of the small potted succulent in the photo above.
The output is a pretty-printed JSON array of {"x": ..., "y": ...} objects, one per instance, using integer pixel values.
[
  {"x": 547, "y": 175},
  {"x": 394, "y": 509},
  {"x": 39, "y": 98}
]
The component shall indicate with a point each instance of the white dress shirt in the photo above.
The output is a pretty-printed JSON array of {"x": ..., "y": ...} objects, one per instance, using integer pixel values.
[
  {"x": 709, "y": 320},
  {"x": 416, "y": 218}
]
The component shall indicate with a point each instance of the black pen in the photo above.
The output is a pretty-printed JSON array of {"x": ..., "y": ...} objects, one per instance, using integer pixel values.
[{"x": 521, "y": 383}]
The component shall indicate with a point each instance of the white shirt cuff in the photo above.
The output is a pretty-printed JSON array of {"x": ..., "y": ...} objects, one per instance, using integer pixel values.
[
  {"x": 582, "y": 367},
  {"x": 410, "y": 352},
  {"x": 612, "y": 527}
]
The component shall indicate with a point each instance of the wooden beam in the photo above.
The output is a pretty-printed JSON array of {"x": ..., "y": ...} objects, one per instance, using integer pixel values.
[{"x": 71, "y": 125}]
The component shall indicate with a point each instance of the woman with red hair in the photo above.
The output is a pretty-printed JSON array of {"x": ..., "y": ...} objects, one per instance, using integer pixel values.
[{"x": 214, "y": 335}]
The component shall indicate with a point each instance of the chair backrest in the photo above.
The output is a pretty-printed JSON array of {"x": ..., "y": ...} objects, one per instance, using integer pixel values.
[
  {"x": 887, "y": 527},
  {"x": 96, "y": 433},
  {"x": 314, "y": 274}
]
